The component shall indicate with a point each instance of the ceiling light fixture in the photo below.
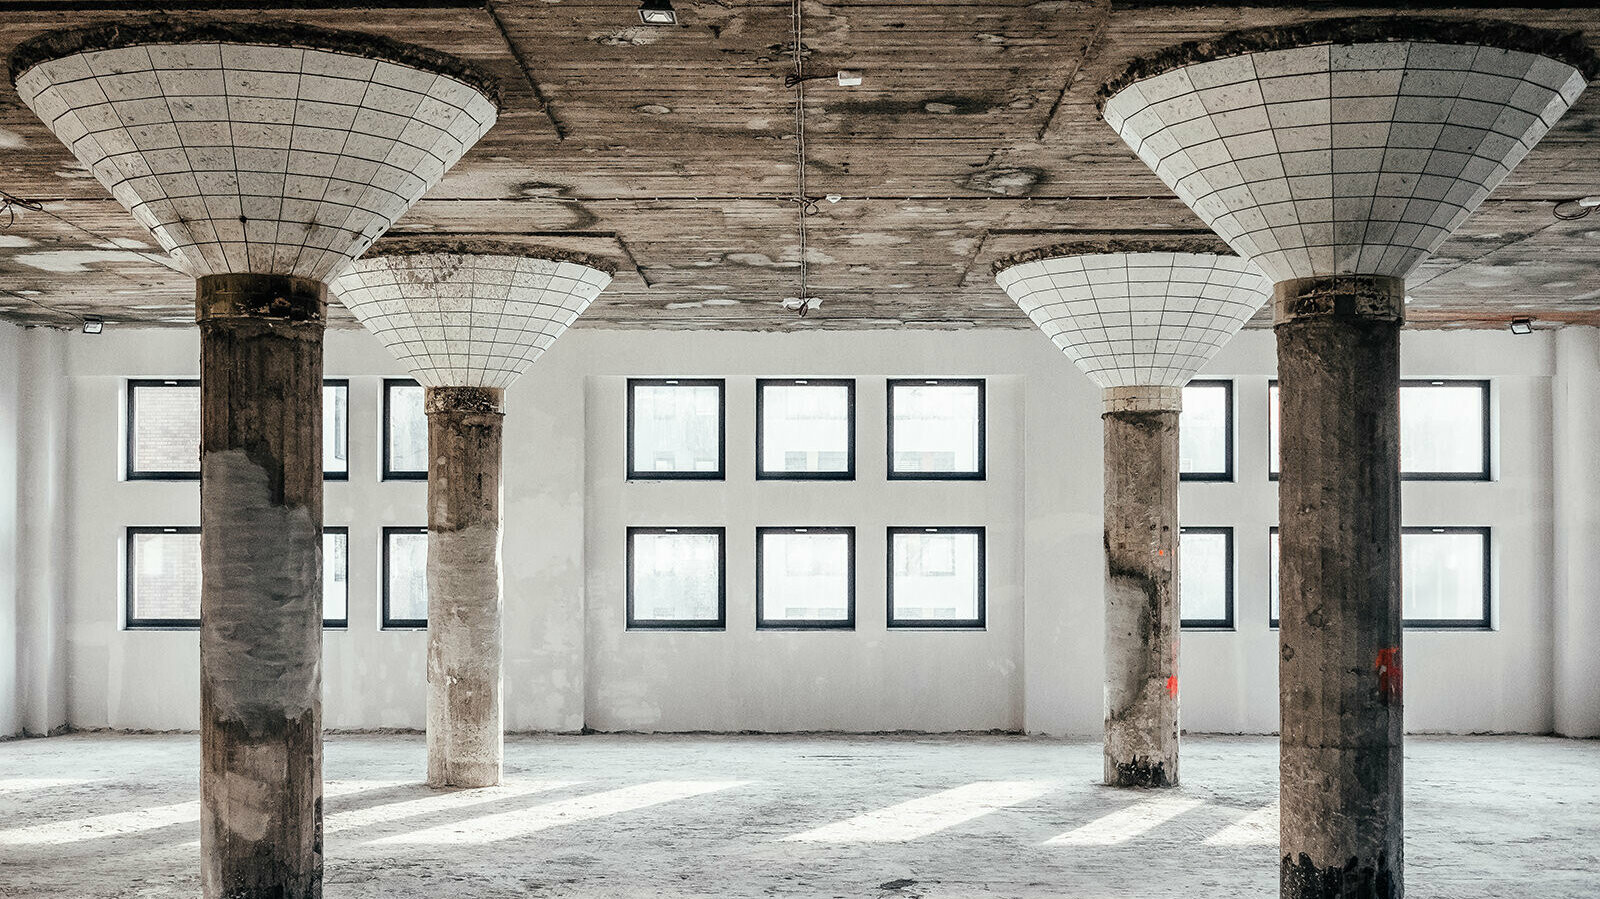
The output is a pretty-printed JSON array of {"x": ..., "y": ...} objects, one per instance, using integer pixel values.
[
  {"x": 657, "y": 12},
  {"x": 849, "y": 77},
  {"x": 93, "y": 324},
  {"x": 1522, "y": 326}
]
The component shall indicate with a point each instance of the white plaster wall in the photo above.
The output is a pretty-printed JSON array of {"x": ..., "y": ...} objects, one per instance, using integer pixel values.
[
  {"x": 1576, "y": 623},
  {"x": 10, "y": 701},
  {"x": 1038, "y": 666},
  {"x": 1456, "y": 681}
]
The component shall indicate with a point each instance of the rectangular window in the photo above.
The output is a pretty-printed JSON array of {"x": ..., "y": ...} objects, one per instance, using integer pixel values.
[
  {"x": 936, "y": 429},
  {"x": 805, "y": 578},
  {"x": 1274, "y": 409},
  {"x": 1205, "y": 432},
  {"x": 336, "y": 577},
  {"x": 1444, "y": 430},
  {"x": 405, "y": 578},
  {"x": 806, "y": 429},
  {"x": 1205, "y": 577},
  {"x": 675, "y": 429},
  {"x": 1272, "y": 591},
  {"x": 163, "y": 430},
  {"x": 336, "y": 430},
  {"x": 677, "y": 578},
  {"x": 163, "y": 567},
  {"x": 1444, "y": 577},
  {"x": 405, "y": 431},
  {"x": 936, "y": 577},
  {"x": 163, "y": 583}
]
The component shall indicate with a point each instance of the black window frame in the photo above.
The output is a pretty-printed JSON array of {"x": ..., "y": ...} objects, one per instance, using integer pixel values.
[
  {"x": 1229, "y": 471},
  {"x": 1486, "y": 474},
  {"x": 130, "y": 621},
  {"x": 1274, "y": 439},
  {"x": 720, "y": 623},
  {"x": 1273, "y": 622},
  {"x": 847, "y": 623},
  {"x": 387, "y": 622},
  {"x": 340, "y": 475},
  {"x": 1210, "y": 624},
  {"x": 1484, "y": 385},
  {"x": 762, "y": 474},
  {"x": 721, "y": 472},
  {"x": 389, "y": 472},
  {"x": 979, "y": 623},
  {"x": 1483, "y": 623},
  {"x": 340, "y": 623},
  {"x": 133, "y": 473},
  {"x": 130, "y": 440},
  {"x": 983, "y": 431}
]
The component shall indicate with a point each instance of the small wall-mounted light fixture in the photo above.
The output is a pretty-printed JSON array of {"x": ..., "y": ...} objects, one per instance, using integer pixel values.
[
  {"x": 657, "y": 12},
  {"x": 93, "y": 324},
  {"x": 849, "y": 77},
  {"x": 1522, "y": 326}
]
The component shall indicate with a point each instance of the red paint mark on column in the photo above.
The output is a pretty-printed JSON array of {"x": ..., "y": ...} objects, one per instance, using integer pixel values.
[
  {"x": 1172, "y": 687},
  {"x": 1389, "y": 675}
]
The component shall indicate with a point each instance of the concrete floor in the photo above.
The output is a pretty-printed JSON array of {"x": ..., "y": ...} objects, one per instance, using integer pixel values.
[{"x": 832, "y": 816}]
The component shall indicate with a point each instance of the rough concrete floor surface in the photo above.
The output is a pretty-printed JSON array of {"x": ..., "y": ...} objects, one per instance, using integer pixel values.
[{"x": 105, "y": 815}]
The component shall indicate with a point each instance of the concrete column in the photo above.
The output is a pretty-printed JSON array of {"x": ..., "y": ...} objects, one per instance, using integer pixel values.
[
  {"x": 1577, "y": 532},
  {"x": 1141, "y": 534},
  {"x": 1340, "y": 639},
  {"x": 261, "y": 587},
  {"x": 464, "y": 732}
]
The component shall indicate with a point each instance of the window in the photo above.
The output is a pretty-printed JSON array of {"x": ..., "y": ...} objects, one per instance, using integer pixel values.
[
  {"x": 335, "y": 577},
  {"x": 336, "y": 430},
  {"x": 675, "y": 429},
  {"x": 405, "y": 431},
  {"x": 1205, "y": 577},
  {"x": 806, "y": 429},
  {"x": 405, "y": 578},
  {"x": 163, "y": 567},
  {"x": 676, "y": 578},
  {"x": 936, "y": 577},
  {"x": 1444, "y": 577},
  {"x": 805, "y": 578},
  {"x": 1205, "y": 432},
  {"x": 936, "y": 429},
  {"x": 1274, "y": 410},
  {"x": 1444, "y": 430},
  {"x": 1272, "y": 591},
  {"x": 164, "y": 430}
]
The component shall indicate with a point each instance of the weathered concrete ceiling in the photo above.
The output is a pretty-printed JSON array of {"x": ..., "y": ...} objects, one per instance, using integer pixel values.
[{"x": 672, "y": 152}]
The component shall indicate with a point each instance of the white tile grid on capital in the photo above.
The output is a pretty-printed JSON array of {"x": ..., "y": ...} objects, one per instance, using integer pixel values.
[
  {"x": 1138, "y": 319},
  {"x": 244, "y": 158},
  {"x": 1342, "y": 159},
  {"x": 467, "y": 320}
]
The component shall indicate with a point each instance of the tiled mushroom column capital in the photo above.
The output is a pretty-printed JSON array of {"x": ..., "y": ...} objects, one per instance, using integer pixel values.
[
  {"x": 263, "y": 158},
  {"x": 1139, "y": 318},
  {"x": 1337, "y": 154},
  {"x": 467, "y": 318}
]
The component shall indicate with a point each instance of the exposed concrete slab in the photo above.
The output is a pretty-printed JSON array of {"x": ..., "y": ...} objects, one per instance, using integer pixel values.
[{"x": 1488, "y": 817}]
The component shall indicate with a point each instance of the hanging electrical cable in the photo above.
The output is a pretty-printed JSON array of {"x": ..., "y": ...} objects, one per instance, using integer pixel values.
[{"x": 805, "y": 205}]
